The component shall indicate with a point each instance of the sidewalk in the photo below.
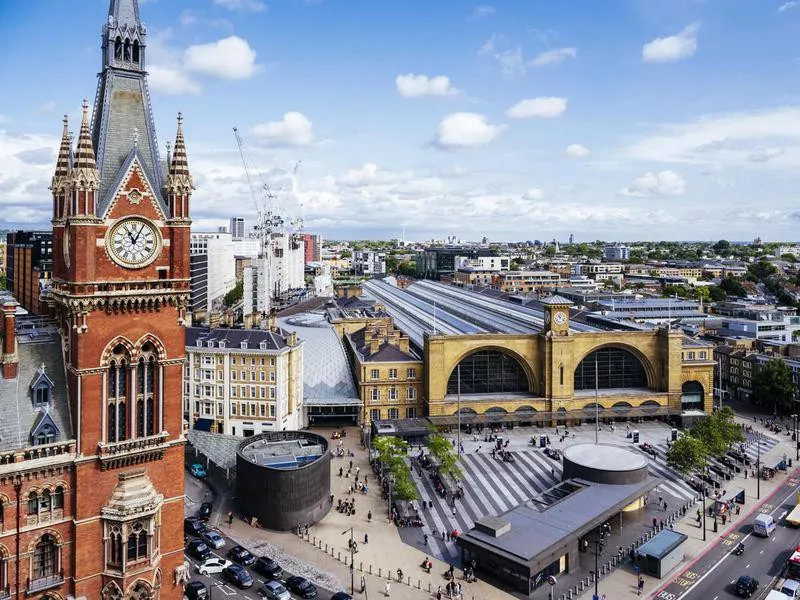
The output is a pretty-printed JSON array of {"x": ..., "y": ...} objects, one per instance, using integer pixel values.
[{"x": 622, "y": 582}]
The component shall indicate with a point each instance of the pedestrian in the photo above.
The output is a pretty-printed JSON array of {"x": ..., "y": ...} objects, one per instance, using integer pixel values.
[
  {"x": 366, "y": 538},
  {"x": 351, "y": 465},
  {"x": 369, "y": 516},
  {"x": 230, "y": 519},
  {"x": 387, "y": 588},
  {"x": 426, "y": 539},
  {"x": 454, "y": 510},
  {"x": 641, "y": 586}
]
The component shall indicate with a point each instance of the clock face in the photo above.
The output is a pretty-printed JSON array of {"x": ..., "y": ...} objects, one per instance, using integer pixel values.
[
  {"x": 134, "y": 242},
  {"x": 546, "y": 317},
  {"x": 560, "y": 318}
]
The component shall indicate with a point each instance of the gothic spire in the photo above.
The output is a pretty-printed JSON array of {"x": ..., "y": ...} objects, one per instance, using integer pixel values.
[
  {"x": 84, "y": 156},
  {"x": 180, "y": 162},
  {"x": 178, "y": 187},
  {"x": 64, "y": 161},
  {"x": 124, "y": 12}
]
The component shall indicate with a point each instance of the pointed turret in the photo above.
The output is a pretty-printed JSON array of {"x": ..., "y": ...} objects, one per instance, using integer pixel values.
[
  {"x": 63, "y": 166},
  {"x": 84, "y": 177},
  {"x": 179, "y": 187}
]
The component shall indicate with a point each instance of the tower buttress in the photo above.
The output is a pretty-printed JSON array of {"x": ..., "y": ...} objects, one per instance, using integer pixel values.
[
  {"x": 84, "y": 177},
  {"x": 58, "y": 185}
]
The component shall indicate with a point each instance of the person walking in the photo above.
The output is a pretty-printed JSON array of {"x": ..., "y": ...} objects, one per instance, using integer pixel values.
[
  {"x": 388, "y": 588},
  {"x": 230, "y": 519}
]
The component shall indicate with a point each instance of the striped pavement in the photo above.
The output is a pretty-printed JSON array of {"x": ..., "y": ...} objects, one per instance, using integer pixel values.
[{"x": 492, "y": 487}]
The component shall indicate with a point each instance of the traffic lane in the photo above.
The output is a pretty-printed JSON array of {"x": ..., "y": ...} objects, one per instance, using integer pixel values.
[{"x": 763, "y": 558}]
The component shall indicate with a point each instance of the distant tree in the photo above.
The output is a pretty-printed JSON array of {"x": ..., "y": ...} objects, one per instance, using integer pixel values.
[
  {"x": 516, "y": 265},
  {"x": 550, "y": 251},
  {"x": 686, "y": 455},
  {"x": 391, "y": 264},
  {"x": 675, "y": 290},
  {"x": 761, "y": 270},
  {"x": 701, "y": 293},
  {"x": 722, "y": 247},
  {"x": 717, "y": 432},
  {"x": 773, "y": 386},
  {"x": 717, "y": 293},
  {"x": 789, "y": 257},
  {"x": 732, "y": 287},
  {"x": 346, "y": 254},
  {"x": 407, "y": 268},
  {"x": 233, "y": 296}
]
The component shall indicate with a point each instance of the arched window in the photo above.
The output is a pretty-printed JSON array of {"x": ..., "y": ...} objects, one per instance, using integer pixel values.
[
  {"x": 692, "y": 396},
  {"x": 122, "y": 419},
  {"x": 127, "y": 51},
  {"x": 614, "y": 368},
  {"x": 140, "y": 418},
  {"x": 58, "y": 498},
  {"x": 488, "y": 372},
  {"x": 149, "y": 417},
  {"x": 151, "y": 375},
  {"x": 45, "y": 501},
  {"x": 33, "y": 503},
  {"x": 136, "y": 52},
  {"x": 115, "y": 549},
  {"x": 44, "y": 557},
  {"x": 42, "y": 395},
  {"x": 118, "y": 48},
  {"x": 117, "y": 392},
  {"x": 137, "y": 546},
  {"x": 146, "y": 390}
]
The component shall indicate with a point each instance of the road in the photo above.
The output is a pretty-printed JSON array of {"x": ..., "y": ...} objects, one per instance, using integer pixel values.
[
  {"x": 713, "y": 576},
  {"x": 196, "y": 493}
]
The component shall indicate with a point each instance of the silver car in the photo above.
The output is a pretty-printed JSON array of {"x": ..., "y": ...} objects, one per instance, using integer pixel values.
[
  {"x": 214, "y": 539},
  {"x": 274, "y": 590}
]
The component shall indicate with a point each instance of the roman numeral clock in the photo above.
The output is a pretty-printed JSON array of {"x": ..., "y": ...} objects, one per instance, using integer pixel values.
[{"x": 133, "y": 242}]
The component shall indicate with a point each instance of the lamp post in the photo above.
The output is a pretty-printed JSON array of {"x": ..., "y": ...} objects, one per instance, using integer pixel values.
[
  {"x": 598, "y": 548},
  {"x": 352, "y": 552},
  {"x": 458, "y": 408},
  {"x": 758, "y": 465}
]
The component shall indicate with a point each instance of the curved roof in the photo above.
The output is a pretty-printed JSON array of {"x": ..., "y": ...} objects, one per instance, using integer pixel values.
[{"x": 327, "y": 378}]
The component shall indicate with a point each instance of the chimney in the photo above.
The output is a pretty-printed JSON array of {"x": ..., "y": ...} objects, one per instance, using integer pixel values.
[
  {"x": 272, "y": 320},
  {"x": 9, "y": 357},
  {"x": 291, "y": 338},
  {"x": 404, "y": 344},
  {"x": 374, "y": 345}
]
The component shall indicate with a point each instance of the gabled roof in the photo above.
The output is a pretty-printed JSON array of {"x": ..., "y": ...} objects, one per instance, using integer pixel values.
[
  {"x": 43, "y": 420},
  {"x": 134, "y": 155},
  {"x": 555, "y": 301},
  {"x": 41, "y": 376}
]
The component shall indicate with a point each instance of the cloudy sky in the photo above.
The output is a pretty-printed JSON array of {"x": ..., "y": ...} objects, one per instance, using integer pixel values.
[{"x": 516, "y": 119}]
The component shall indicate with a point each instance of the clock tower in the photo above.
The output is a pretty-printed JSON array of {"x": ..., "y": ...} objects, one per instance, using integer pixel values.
[
  {"x": 556, "y": 315},
  {"x": 120, "y": 292}
]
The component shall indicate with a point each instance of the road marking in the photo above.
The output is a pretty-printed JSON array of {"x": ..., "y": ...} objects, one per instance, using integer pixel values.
[
  {"x": 748, "y": 566},
  {"x": 762, "y": 552},
  {"x": 783, "y": 514}
]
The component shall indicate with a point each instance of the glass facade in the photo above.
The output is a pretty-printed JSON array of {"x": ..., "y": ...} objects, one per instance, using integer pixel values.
[
  {"x": 692, "y": 396},
  {"x": 615, "y": 368},
  {"x": 488, "y": 372}
]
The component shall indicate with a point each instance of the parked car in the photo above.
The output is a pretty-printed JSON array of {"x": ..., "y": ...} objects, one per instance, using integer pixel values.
[
  {"x": 302, "y": 587},
  {"x": 198, "y": 549},
  {"x": 214, "y": 539},
  {"x": 241, "y": 555},
  {"x": 746, "y": 586},
  {"x": 341, "y": 596},
  {"x": 238, "y": 576},
  {"x": 204, "y": 513},
  {"x": 198, "y": 470},
  {"x": 194, "y": 526},
  {"x": 195, "y": 590},
  {"x": 267, "y": 567},
  {"x": 274, "y": 590},
  {"x": 213, "y": 566}
]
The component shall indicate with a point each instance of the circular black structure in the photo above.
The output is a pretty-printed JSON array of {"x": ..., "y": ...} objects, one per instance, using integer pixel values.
[
  {"x": 604, "y": 463},
  {"x": 283, "y": 478}
]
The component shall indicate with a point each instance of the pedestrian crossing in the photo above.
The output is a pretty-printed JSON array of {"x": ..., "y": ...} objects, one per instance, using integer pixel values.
[{"x": 493, "y": 486}]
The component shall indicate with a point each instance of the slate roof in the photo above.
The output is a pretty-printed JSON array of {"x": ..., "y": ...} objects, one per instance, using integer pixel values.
[
  {"x": 327, "y": 378},
  {"x": 557, "y": 300},
  {"x": 234, "y": 338},
  {"x": 386, "y": 352},
  {"x": 36, "y": 347}
]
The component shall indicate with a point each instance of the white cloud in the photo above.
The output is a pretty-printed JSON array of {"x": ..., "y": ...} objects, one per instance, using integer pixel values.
[
  {"x": 553, "y": 57},
  {"x": 414, "y": 86},
  {"x": 187, "y": 17},
  {"x": 765, "y": 154},
  {"x": 46, "y": 107},
  {"x": 788, "y": 5},
  {"x": 545, "y": 107},
  {"x": 726, "y": 139},
  {"x": 577, "y": 151},
  {"x": 228, "y": 58},
  {"x": 672, "y": 48},
  {"x": 664, "y": 183},
  {"x": 249, "y": 5},
  {"x": 466, "y": 130},
  {"x": 534, "y": 194},
  {"x": 293, "y": 130},
  {"x": 481, "y": 12},
  {"x": 171, "y": 81}
]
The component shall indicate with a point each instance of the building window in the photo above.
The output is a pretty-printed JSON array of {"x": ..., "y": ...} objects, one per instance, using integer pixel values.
[
  {"x": 392, "y": 373},
  {"x": 116, "y": 393},
  {"x": 392, "y": 393},
  {"x": 58, "y": 498},
  {"x": 393, "y": 414},
  {"x": 489, "y": 372},
  {"x": 263, "y": 376},
  {"x": 46, "y": 435},
  {"x": 233, "y": 391},
  {"x": 375, "y": 394},
  {"x": 137, "y": 544},
  {"x": 115, "y": 548},
  {"x": 263, "y": 392},
  {"x": 411, "y": 393},
  {"x": 272, "y": 376},
  {"x": 703, "y": 355},
  {"x": 263, "y": 410},
  {"x": 374, "y": 374},
  {"x": 616, "y": 368},
  {"x": 233, "y": 408},
  {"x": 691, "y": 355},
  {"x": 272, "y": 393},
  {"x": 375, "y": 414},
  {"x": 411, "y": 373},
  {"x": 411, "y": 412},
  {"x": 272, "y": 411},
  {"x": 44, "y": 557}
]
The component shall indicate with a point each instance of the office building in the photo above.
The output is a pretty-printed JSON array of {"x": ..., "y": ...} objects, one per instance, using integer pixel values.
[
  {"x": 29, "y": 267},
  {"x": 213, "y": 269},
  {"x": 616, "y": 252},
  {"x": 313, "y": 247},
  {"x": 237, "y": 228}
]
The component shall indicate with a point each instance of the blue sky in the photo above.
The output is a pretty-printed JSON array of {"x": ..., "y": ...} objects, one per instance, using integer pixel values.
[{"x": 609, "y": 119}]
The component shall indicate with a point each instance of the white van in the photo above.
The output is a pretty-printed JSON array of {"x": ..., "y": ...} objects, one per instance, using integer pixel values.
[
  {"x": 791, "y": 588},
  {"x": 763, "y": 525}
]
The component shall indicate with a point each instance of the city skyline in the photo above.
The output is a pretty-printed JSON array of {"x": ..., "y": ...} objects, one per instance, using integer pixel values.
[{"x": 511, "y": 120}]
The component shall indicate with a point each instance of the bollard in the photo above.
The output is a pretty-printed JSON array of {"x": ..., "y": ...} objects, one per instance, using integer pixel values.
[
  {"x": 370, "y": 569},
  {"x": 419, "y": 584},
  {"x": 326, "y": 547},
  {"x": 339, "y": 556},
  {"x": 379, "y": 572},
  {"x": 408, "y": 583},
  {"x": 429, "y": 587},
  {"x": 361, "y": 566},
  {"x": 315, "y": 540},
  {"x": 582, "y": 588},
  {"x": 345, "y": 560},
  {"x": 570, "y": 595}
]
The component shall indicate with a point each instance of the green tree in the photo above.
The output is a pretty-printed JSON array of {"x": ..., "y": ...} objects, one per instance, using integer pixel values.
[
  {"x": 761, "y": 270},
  {"x": 3, "y": 281},
  {"x": 233, "y": 296},
  {"x": 445, "y": 453},
  {"x": 717, "y": 293},
  {"x": 392, "y": 452},
  {"x": 717, "y": 432},
  {"x": 550, "y": 251},
  {"x": 686, "y": 455},
  {"x": 773, "y": 385},
  {"x": 675, "y": 290},
  {"x": 732, "y": 287},
  {"x": 722, "y": 247},
  {"x": 701, "y": 293},
  {"x": 789, "y": 257},
  {"x": 345, "y": 254}
]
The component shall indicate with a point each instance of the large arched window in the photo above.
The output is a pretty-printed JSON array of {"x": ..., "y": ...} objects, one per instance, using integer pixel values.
[
  {"x": 615, "y": 368},
  {"x": 117, "y": 395},
  {"x": 488, "y": 372},
  {"x": 692, "y": 396},
  {"x": 146, "y": 374},
  {"x": 44, "y": 557}
]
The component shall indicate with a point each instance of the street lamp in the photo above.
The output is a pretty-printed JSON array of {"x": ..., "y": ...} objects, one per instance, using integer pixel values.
[
  {"x": 704, "y": 511},
  {"x": 758, "y": 465},
  {"x": 598, "y": 548},
  {"x": 352, "y": 552}
]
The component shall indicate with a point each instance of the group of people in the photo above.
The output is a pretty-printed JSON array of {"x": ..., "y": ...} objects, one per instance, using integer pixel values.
[
  {"x": 452, "y": 589},
  {"x": 347, "y": 506}
]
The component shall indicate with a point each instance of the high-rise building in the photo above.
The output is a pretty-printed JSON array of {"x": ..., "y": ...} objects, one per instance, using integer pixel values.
[
  {"x": 276, "y": 274},
  {"x": 237, "y": 227},
  {"x": 29, "y": 267},
  {"x": 313, "y": 249},
  {"x": 616, "y": 252},
  {"x": 369, "y": 263},
  {"x": 213, "y": 269},
  {"x": 93, "y": 453}
]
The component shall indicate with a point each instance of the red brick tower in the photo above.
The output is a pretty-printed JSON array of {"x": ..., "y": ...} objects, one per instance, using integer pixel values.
[{"x": 120, "y": 290}]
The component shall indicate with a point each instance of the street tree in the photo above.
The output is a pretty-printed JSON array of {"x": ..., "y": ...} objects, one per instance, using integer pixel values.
[
  {"x": 773, "y": 386},
  {"x": 445, "y": 454},
  {"x": 392, "y": 453},
  {"x": 722, "y": 246},
  {"x": 717, "y": 432},
  {"x": 686, "y": 455},
  {"x": 732, "y": 287}
]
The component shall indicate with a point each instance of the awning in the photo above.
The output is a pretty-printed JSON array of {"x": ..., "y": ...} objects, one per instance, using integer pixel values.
[
  {"x": 604, "y": 413},
  {"x": 203, "y": 424}
]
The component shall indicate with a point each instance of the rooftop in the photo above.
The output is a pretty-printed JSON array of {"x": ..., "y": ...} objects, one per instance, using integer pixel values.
[
  {"x": 663, "y": 543},
  {"x": 605, "y": 457},
  {"x": 240, "y": 339},
  {"x": 284, "y": 449}
]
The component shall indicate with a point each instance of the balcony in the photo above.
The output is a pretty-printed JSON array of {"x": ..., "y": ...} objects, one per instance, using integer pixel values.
[
  {"x": 34, "y": 586},
  {"x": 132, "y": 452}
]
